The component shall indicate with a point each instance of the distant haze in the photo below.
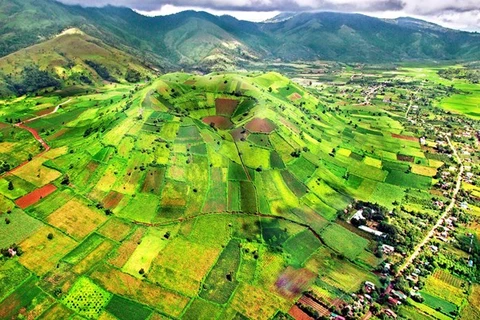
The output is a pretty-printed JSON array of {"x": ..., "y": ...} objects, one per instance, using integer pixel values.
[{"x": 457, "y": 14}]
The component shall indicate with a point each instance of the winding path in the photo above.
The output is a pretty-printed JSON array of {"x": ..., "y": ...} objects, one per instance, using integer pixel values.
[
  {"x": 35, "y": 134},
  {"x": 440, "y": 220}
]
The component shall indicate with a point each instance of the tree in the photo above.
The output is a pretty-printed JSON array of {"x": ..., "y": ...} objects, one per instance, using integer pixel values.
[
  {"x": 10, "y": 185},
  {"x": 66, "y": 180},
  {"x": 50, "y": 236},
  {"x": 132, "y": 75}
]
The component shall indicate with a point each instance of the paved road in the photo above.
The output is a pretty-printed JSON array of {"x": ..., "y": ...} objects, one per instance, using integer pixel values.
[{"x": 429, "y": 236}]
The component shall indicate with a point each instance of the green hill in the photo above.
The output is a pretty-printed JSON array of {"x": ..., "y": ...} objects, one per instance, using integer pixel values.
[{"x": 70, "y": 59}]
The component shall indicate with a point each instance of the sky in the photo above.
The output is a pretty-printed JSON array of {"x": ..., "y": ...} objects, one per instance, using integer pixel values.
[{"x": 457, "y": 14}]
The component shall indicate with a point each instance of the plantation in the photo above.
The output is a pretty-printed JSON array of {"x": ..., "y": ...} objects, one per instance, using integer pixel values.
[{"x": 218, "y": 196}]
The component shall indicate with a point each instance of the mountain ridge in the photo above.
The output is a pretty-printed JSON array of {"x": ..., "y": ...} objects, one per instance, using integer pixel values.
[{"x": 201, "y": 38}]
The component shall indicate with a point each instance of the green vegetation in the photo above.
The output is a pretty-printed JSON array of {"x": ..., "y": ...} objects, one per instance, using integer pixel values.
[{"x": 231, "y": 194}]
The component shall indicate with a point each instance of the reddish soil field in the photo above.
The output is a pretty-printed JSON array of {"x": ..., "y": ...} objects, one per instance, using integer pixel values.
[
  {"x": 295, "y": 96},
  {"x": 112, "y": 200},
  {"x": 260, "y": 126},
  {"x": 239, "y": 133},
  {"x": 402, "y": 157},
  {"x": 35, "y": 196},
  {"x": 298, "y": 314},
  {"x": 225, "y": 107},
  {"x": 408, "y": 138},
  {"x": 220, "y": 122},
  {"x": 45, "y": 111}
]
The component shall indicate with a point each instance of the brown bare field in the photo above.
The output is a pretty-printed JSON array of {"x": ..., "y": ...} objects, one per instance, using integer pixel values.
[
  {"x": 45, "y": 111},
  {"x": 59, "y": 133},
  {"x": 239, "y": 134},
  {"x": 294, "y": 96},
  {"x": 35, "y": 196},
  {"x": 298, "y": 314},
  {"x": 260, "y": 126},
  {"x": 121, "y": 283},
  {"x": 76, "y": 219},
  {"x": 153, "y": 180},
  {"x": 41, "y": 254},
  {"x": 115, "y": 229},
  {"x": 225, "y": 106},
  {"x": 220, "y": 122},
  {"x": 405, "y": 158},
  {"x": 315, "y": 305},
  {"x": 112, "y": 199},
  {"x": 402, "y": 137}
]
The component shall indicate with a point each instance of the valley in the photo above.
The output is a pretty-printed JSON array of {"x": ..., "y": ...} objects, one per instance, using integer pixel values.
[
  {"x": 202, "y": 192},
  {"x": 316, "y": 165}
]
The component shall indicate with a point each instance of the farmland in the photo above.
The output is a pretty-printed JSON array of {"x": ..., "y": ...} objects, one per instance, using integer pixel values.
[{"x": 223, "y": 196}]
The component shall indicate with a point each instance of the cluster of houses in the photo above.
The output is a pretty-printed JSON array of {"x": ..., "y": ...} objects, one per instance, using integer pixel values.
[{"x": 443, "y": 234}]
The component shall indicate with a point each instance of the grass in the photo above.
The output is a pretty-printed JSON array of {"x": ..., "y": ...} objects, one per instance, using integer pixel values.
[
  {"x": 221, "y": 281},
  {"x": 441, "y": 289},
  {"x": 21, "y": 226},
  {"x": 11, "y": 275},
  {"x": 182, "y": 265},
  {"x": 301, "y": 246},
  {"x": 151, "y": 244},
  {"x": 343, "y": 241},
  {"x": 201, "y": 309},
  {"x": 125, "y": 309},
  {"x": 119, "y": 283},
  {"x": 80, "y": 252},
  {"x": 439, "y": 304}
]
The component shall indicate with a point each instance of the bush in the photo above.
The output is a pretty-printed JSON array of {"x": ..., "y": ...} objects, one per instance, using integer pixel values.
[{"x": 132, "y": 75}]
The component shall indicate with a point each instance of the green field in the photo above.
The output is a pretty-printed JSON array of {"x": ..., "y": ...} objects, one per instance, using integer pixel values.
[{"x": 173, "y": 200}]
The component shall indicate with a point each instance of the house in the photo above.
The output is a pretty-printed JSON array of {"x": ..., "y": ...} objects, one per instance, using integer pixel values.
[
  {"x": 387, "y": 267},
  {"x": 386, "y": 249},
  {"x": 12, "y": 252},
  {"x": 434, "y": 248},
  {"x": 370, "y": 285},
  {"x": 399, "y": 294},
  {"x": 423, "y": 141},
  {"x": 393, "y": 302},
  {"x": 335, "y": 316}
]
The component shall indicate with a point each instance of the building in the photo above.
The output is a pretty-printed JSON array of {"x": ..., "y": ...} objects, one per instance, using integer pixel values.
[
  {"x": 399, "y": 294},
  {"x": 372, "y": 231},
  {"x": 387, "y": 249}
]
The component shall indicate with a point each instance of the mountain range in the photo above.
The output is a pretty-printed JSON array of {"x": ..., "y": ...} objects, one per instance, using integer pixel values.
[{"x": 200, "y": 40}]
